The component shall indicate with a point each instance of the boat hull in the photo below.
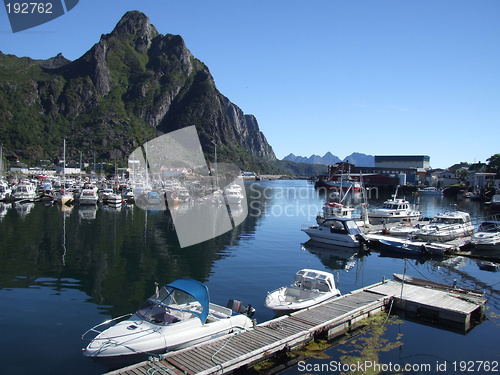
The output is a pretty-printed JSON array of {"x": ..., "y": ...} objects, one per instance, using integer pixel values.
[
  {"x": 323, "y": 235},
  {"x": 135, "y": 339},
  {"x": 281, "y": 305}
]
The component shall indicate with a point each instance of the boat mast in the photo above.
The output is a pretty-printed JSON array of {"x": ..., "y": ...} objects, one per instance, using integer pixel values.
[{"x": 64, "y": 164}]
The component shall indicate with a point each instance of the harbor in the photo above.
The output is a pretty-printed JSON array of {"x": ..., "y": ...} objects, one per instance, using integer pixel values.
[{"x": 74, "y": 284}]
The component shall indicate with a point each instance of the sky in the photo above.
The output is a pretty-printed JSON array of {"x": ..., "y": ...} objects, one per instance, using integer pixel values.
[{"x": 385, "y": 77}]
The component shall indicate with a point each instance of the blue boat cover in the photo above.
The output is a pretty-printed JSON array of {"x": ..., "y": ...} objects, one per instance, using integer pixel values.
[{"x": 198, "y": 291}]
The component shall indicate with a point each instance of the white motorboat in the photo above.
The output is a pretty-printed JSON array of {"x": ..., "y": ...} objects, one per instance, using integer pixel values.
[
  {"x": 487, "y": 236},
  {"x": 114, "y": 200},
  {"x": 105, "y": 194},
  {"x": 177, "y": 316},
  {"x": 394, "y": 210},
  {"x": 88, "y": 196},
  {"x": 182, "y": 194},
  {"x": 5, "y": 190},
  {"x": 25, "y": 191},
  {"x": 234, "y": 194},
  {"x": 340, "y": 231},
  {"x": 446, "y": 227},
  {"x": 309, "y": 288},
  {"x": 431, "y": 190}
]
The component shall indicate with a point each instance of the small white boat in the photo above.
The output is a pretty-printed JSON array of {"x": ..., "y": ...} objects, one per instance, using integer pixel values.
[
  {"x": 233, "y": 194},
  {"x": 446, "y": 227},
  {"x": 431, "y": 190},
  {"x": 177, "y": 316},
  {"x": 88, "y": 196},
  {"x": 394, "y": 210},
  {"x": 487, "y": 236},
  {"x": 5, "y": 190},
  {"x": 309, "y": 288},
  {"x": 114, "y": 200},
  {"x": 340, "y": 231},
  {"x": 105, "y": 194},
  {"x": 25, "y": 191}
]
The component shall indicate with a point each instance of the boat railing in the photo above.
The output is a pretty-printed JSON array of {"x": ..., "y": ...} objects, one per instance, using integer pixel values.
[{"x": 96, "y": 331}]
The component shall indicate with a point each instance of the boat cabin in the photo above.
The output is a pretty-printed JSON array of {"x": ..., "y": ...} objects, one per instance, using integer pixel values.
[
  {"x": 489, "y": 226},
  {"x": 451, "y": 218},
  {"x": 312, "y": 279},
  {"x": 342, "y": 226},
  {"x": 396, "y": 204}
]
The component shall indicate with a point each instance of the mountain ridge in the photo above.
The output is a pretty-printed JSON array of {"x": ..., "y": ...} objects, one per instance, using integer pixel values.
[
  {"x": 356, "y": 158},
  {"x": 133, "y": 85}
]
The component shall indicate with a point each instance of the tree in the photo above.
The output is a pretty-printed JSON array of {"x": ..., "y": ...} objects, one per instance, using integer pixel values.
[{"x": 494, "y": 163}]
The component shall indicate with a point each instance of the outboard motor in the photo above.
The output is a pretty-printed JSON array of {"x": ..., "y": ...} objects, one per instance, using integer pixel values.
[{"x": 238, "y": 307}]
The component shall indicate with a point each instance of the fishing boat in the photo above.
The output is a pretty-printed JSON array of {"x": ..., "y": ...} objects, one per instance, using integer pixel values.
[
  {"x": 487, "y": 236},
  {"x": 177, "y": 316},
  {"x": 340, "y": 231},
  {"x": 446, "y": 227},
  {"x": 394, "y": 210},
  {"x": 309, "y": 288}
]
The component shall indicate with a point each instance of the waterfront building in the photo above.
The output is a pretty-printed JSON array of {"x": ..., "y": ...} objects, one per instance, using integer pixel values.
[{"x": 402, "y": 161}]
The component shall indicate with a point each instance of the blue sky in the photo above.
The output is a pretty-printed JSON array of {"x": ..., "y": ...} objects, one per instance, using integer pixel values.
[{"x": 378, "y": 77}]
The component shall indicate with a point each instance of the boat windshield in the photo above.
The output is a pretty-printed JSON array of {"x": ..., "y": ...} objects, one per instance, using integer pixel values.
[
  {"x": 489, "y": 226},
  {"x": 352, "y": 227},
  {"x": 169, "y": 305}
]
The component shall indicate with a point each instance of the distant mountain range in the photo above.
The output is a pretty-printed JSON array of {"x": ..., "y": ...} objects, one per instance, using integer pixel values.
[{"x": 356, "y": 158}]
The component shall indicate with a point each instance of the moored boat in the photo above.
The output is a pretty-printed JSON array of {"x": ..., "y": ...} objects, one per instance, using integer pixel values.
[
  {"x": 446, "y": 227},
  {"x": 309, "y": 288},
  {"x": 394, "y": 210},
  {"x": 24, "y": 191},
  {"x": 430, "y": 190},
  {"x": 177, "y": 316},
  {"x": 88, "y": 196},
  {"x": 487, "y": 236},
  {"x": 339, "y": 231}
]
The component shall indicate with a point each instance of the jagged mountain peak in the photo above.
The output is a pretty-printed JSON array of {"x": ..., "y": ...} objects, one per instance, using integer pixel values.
[{"x": 135, "y": 28}]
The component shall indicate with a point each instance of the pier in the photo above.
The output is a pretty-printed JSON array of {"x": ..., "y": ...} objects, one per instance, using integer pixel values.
[{"x": 434, "y": 302}]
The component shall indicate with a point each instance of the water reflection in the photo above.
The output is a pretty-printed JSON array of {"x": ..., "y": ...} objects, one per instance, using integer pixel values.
[{"x": 95, "y": 262}]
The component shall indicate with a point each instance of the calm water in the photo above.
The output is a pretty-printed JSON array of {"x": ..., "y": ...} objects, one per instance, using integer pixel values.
[{"x": 63, "y": 272}]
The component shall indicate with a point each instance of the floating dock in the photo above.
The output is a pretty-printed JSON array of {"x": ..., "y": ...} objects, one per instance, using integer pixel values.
[{"x": 332, "y": 318}]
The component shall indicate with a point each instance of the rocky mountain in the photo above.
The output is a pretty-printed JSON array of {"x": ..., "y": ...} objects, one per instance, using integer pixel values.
[
  {"x": 358, "y": 159},
  {"x": 131, "y": 86}
]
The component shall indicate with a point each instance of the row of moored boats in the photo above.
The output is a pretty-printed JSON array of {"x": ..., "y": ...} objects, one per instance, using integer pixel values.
[{"x": 401, "y": 220}]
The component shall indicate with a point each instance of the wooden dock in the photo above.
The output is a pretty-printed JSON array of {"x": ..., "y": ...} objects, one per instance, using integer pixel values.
[{"x": 332, "y": 318}]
